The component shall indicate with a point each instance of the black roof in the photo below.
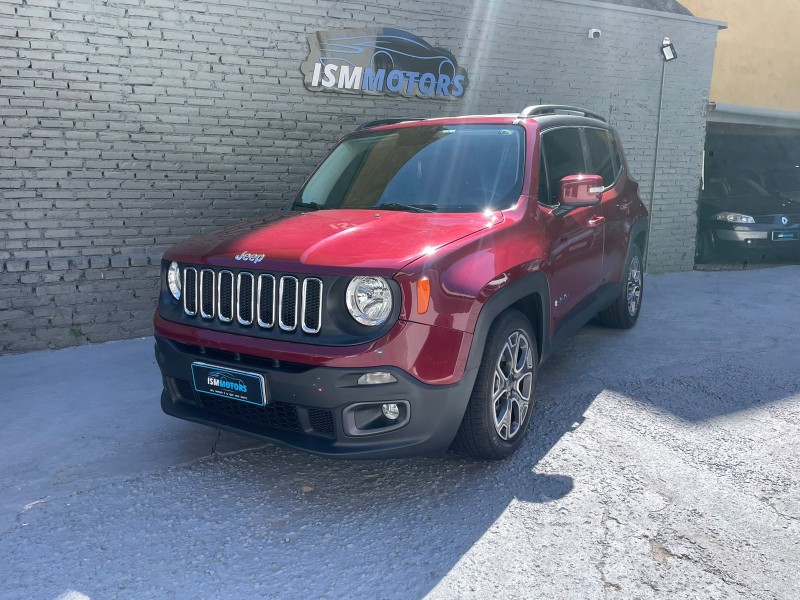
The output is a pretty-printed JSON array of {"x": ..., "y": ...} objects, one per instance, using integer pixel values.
[{"x": 672, "y": 6}]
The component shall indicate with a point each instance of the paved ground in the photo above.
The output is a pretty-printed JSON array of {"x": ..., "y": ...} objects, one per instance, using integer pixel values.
[{"x": 662, "y": 463}]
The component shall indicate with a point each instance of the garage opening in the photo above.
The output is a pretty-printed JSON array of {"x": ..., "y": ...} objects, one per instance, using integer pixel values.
[{"x": 749, "y": 204}]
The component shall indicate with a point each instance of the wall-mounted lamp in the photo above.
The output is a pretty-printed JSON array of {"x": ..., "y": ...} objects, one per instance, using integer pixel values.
[{"x": 668, "y": 50}]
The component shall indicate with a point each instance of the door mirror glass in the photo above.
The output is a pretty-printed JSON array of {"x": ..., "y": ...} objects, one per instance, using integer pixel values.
[{"x": 580, "y": 190}]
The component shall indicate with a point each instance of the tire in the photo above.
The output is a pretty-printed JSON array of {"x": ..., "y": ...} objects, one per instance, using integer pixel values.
[
  {"x": 704, "y": 249},
  {"x": 480, "y": 435},
  {"x": 624, "y": 311}
]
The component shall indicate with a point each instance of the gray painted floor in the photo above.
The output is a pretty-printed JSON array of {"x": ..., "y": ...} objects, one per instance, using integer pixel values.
[{"x": 662, "y": 463}]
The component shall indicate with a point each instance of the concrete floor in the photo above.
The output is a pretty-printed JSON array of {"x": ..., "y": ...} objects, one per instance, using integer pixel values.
[{"x": 662, "y": 463}]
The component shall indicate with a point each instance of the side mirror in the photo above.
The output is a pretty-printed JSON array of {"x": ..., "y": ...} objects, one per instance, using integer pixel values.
[{"x": 580, "y": 190}]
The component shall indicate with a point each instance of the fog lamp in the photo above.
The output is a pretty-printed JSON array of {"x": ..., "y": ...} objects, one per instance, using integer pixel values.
[
  {"x": 376, "y": 378},
  {"x": 390, "y": 411}
]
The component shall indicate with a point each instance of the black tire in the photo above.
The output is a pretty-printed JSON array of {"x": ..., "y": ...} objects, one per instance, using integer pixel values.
[
  {"x": 619, "y": 315},
  {"x": 704, "y": 249},
  {"x": 478, "y": 435}
]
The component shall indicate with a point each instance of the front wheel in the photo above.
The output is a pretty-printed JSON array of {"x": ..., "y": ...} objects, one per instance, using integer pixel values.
[
  {"x": 501, "y": 404},
  {"x": 624, "y": 311}
]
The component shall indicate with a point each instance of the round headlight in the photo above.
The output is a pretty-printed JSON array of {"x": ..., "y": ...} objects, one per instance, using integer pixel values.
[
  {"x": 369, "y": 300},
  {"x": 174, "y": 280}
]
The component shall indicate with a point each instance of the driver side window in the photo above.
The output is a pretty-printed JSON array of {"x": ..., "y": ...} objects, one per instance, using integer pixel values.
[{"x": 563, "y": 153}]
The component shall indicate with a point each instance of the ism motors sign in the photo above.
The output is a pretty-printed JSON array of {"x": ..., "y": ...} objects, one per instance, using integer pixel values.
[{"x": 381, "y": 61}]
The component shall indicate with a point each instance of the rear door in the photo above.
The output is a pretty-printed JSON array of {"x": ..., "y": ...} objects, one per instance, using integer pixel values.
[{"x": 576, "y": 251}]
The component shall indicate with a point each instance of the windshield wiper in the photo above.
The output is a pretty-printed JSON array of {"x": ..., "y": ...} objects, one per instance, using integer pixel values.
[
  {"x": 308, "y": 206},
  {"x": 427, "y": 208}
]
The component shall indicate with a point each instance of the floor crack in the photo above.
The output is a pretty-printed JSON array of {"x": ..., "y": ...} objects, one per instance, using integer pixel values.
[{"x": 216, "y": 443}]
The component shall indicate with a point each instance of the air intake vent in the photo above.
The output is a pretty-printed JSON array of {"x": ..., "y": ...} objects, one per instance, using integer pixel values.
[
  {"x": 190, "y": 291},
  {"x": 312, "y": 305},
  {"x": 226, "y": 299},
  {"x": 207, "y": 295},
  {"x": 288, "y": 303},
  {"x": 244, "y": 310},
  {"x": 266, "y": 301}
]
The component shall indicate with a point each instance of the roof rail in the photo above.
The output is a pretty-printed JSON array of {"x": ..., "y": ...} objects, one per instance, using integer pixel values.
[
  {"x": 379, "y": 122},
  {"x": 552, "y": 109}
]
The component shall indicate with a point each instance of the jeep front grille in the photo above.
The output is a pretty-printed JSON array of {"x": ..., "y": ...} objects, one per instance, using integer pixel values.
[{"x": 254, "y": 301}]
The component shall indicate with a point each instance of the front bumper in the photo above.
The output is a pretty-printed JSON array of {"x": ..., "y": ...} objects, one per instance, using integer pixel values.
[
  {"x": 756, "y": 237},
  {"x": 310, "y": 407}
]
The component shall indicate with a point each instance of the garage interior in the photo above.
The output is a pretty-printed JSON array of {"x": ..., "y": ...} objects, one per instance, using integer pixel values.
[{"x": 764, "y": 149}]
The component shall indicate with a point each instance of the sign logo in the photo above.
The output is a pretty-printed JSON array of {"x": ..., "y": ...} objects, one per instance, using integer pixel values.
[
  {"x": 381, "y": 60},
  {"x": 784, "y": 220},
  {"x": 246, "y": 256},
  {"x": 225, "y": 381}
]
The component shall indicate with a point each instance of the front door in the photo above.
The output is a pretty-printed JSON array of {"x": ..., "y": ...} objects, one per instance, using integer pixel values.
[{"x": 576, "y": 237}]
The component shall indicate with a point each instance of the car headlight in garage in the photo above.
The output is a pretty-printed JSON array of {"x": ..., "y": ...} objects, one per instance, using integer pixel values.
[
  {"x": 369, "y": 300},
  {"x": 732, "y": 217},
  {"x": 174, "y": 280}
]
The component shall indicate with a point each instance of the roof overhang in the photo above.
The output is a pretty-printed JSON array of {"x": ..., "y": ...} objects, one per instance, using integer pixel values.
[{"x": 750, "y": 115}]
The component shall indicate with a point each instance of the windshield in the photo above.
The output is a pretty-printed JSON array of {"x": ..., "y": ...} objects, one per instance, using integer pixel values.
[
  {"x": 784, "y": 180},
  {"x": 460, "y": 168}
]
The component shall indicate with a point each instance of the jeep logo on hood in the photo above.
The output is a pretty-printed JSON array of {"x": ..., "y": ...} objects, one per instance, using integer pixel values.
[
  {"x": 381, "y": 60},
  {"x": 246, "y": 256}
]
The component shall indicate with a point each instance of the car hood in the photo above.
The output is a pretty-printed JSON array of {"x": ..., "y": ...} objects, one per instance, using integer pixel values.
[
  {"x": 753, "y": 206},
  {"x": 380, "y": 240}
]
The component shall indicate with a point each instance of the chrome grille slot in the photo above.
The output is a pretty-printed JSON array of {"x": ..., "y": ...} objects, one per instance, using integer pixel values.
[
  {"x": 266, "y": 301},
  {"x": 244, "y": 305},
  {"x": 312, "y": 305},
  {"x": 207, "y": 295},
  {"x": 250, "y": 300},
  {"x": 190, "y": 291},
  {"x": 287, "y": 304},
  {"x": 225, "y": 293}
]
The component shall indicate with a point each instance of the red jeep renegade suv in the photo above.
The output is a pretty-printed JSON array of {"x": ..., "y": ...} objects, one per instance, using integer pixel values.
[{"x": 404, "y": 301}]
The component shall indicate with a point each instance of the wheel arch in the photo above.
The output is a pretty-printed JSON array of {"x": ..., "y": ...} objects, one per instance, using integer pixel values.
[
  {"x": 530, "y": 295},
  {"x": 638, "y": 237}
]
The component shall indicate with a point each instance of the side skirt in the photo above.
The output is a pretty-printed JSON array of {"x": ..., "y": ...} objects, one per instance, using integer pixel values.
[{"x": 580, "y": 316}]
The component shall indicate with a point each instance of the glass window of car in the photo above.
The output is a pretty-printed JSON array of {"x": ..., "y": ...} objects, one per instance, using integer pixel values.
[
  {"x": 563, "y": 153},
  {"x": 714, "y": 187},
  {"x": 783, "y": 180},
  {"x": 744, "y": 186},
  {"x": 615, "y": 154},
  {"x": 600, "y": 155},
  {"x": 459, "y": 168}
]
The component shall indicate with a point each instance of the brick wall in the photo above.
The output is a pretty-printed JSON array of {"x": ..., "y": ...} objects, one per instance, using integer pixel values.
[{"x": 128, "y": 125}]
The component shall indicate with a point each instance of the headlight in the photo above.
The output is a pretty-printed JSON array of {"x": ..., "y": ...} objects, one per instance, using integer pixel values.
[
  {"x": 369, "y": 300},
  {"x": 174, "y": 280},
  {"x": 731, "y": 217}
]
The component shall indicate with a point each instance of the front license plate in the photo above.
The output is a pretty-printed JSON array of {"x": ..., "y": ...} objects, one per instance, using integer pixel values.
[
  {"x": 779, "y": 236},
  {"x": 229, "y": 383}
]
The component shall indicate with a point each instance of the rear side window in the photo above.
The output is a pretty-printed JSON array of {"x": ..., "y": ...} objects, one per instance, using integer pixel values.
[
  {"x": 563, "y": 154},
  {"x": 615, "y": 154},
  {"x": 600, "y": 155}
]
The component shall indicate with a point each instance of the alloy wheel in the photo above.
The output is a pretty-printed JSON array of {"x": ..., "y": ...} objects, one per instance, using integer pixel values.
[
  {"x": 512, "y": 385},
  {"x": 634, "y": 286}
]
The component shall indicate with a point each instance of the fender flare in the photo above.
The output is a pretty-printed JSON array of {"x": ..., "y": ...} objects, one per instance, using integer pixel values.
[
  {"x": 639, "y": 227},
  {"x": 533, "y": 283}
]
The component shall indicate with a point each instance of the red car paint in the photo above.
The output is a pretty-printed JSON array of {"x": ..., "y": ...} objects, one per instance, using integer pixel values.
[{"x": 468, "y": 257}]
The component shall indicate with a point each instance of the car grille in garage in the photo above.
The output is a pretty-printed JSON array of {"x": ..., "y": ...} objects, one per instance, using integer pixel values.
[
  {"x": 260, "y": 301},
  {"x": 776, "y": 220},
  {"x": 278, "y": 415}
]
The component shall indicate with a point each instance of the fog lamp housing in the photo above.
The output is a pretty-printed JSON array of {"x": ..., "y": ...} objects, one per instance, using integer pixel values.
[{"x": 376, "y": 378}]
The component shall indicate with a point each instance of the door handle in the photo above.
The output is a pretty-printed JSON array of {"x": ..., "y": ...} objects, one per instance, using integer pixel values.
[{"x": 595, "y": 221}]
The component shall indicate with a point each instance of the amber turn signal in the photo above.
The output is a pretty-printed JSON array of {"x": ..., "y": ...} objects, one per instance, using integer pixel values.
[{"x": 423, "y": 295}]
